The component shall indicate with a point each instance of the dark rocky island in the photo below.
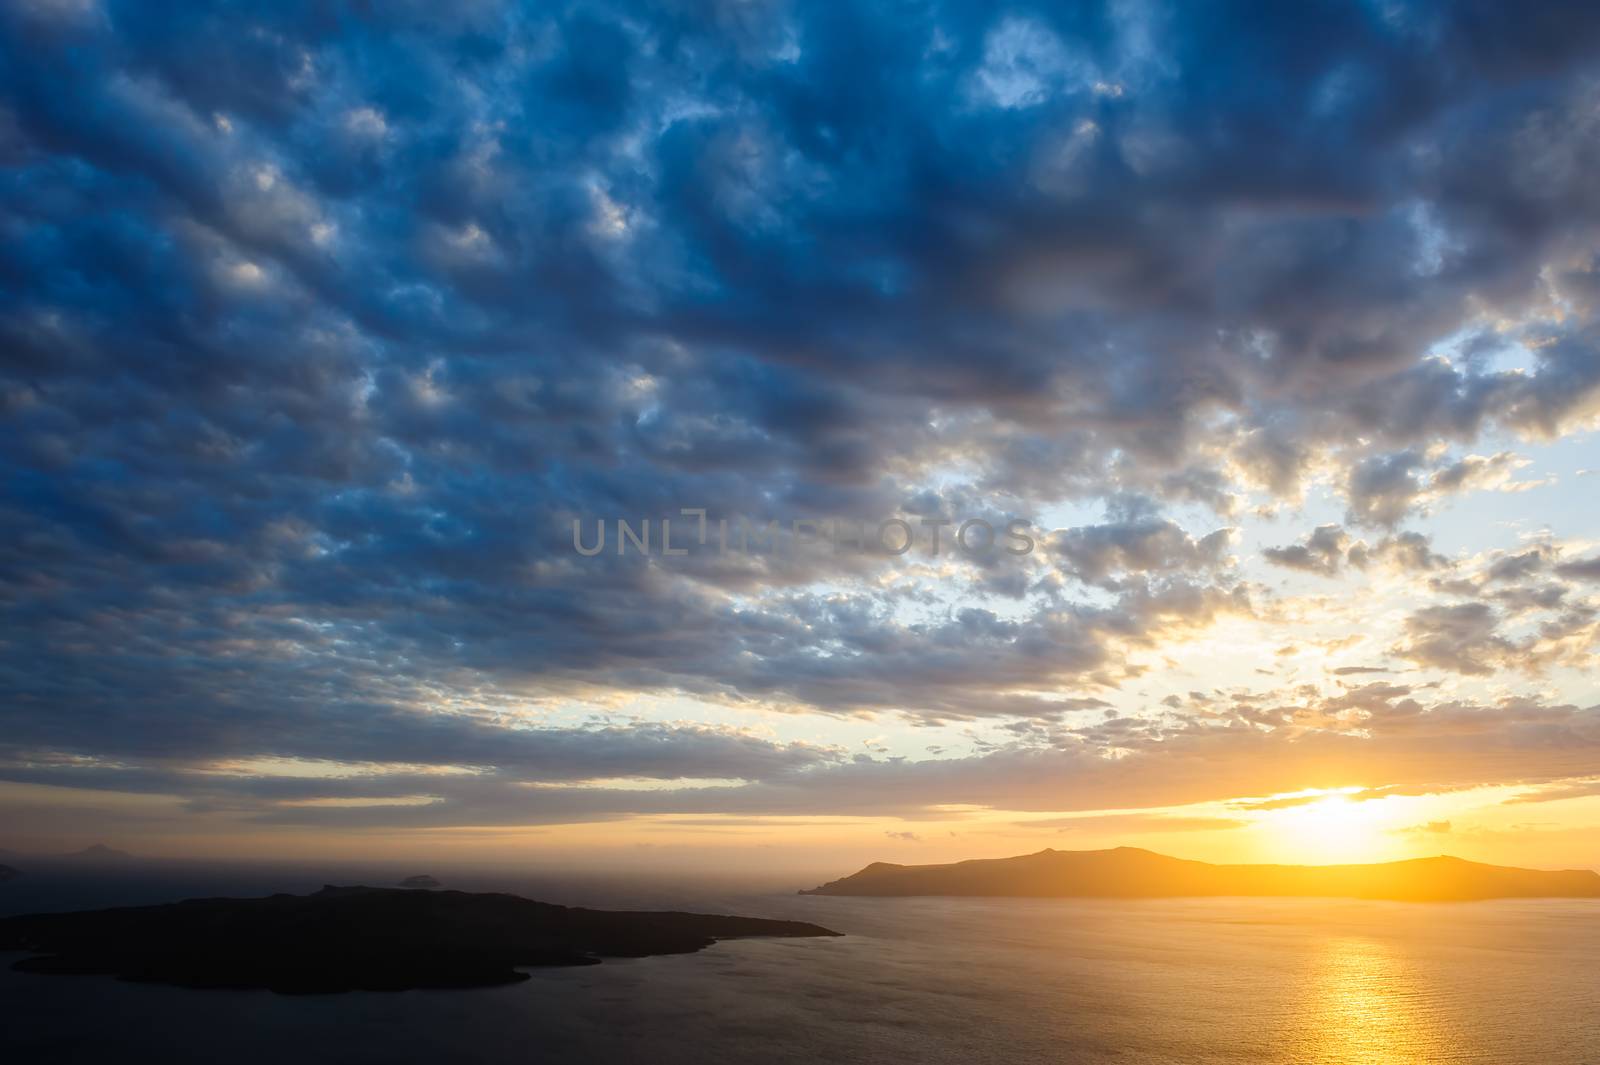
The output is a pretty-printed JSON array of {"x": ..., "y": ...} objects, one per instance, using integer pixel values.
[
  {"x": 358, "y": 938},
  {"x": 1128, "y": 872}
]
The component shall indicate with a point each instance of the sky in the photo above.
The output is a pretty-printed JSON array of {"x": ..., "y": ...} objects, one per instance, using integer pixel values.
[{"x": 333, "y": 335}]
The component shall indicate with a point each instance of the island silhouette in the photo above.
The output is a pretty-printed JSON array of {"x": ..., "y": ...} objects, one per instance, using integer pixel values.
[
  {"x": 1130, "y": 872},
  {"x": 358, "y": 938}
]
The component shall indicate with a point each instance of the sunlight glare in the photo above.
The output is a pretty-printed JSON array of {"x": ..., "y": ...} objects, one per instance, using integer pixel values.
[{"x": 1332, "y": 830}]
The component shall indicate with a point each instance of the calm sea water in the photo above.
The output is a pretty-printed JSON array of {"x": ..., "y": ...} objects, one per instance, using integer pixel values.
[{"x": 930, "y": 981}]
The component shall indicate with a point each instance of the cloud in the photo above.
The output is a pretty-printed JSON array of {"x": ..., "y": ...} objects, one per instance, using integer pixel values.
[
  {"x": 1587, "y": 569},
  {"x": 1463, "y": 638},
  {"x": 1135, "y": 823},
  {"x": 1322, "y": 553},
  {"x": 1384, "y": 489},
  {"x": 1138, "y": 543},
  {"x": 1379, "y": 737},
  {"x": 319, "y": 334},
  {"x": 1467, "y": 638},
  {"x": 1556, "y": 792},
  {"x": 1329, "y": 548},
  {"x": 1428, "y": 828}
]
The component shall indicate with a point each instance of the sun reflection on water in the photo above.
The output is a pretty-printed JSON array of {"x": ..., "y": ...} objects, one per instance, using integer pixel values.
[{"x": 1364, "y": 1003}]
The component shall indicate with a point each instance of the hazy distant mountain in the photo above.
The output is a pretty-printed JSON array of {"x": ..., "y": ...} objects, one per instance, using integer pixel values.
[
  {"x": 8, "y": 873},
  {"x": 348, "y": 938},
  {"x": 99, "y": 852},
  {"x": 1128, "y": 872},
  {"x": 421, "y": 881}
]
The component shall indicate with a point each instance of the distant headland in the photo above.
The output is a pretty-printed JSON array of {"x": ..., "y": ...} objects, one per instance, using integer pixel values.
[
  {"x": 358, "y": 938},
  {"x": 1129, "y": 872}
]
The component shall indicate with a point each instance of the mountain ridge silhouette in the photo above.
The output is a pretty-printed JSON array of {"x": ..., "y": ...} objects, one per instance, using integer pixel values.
[{"x": 1132, "y": 872}]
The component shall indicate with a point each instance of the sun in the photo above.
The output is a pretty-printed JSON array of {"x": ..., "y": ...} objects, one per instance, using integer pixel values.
[{"x": 1332, "y": 830}]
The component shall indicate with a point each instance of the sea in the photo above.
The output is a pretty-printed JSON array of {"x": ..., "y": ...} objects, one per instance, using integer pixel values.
[{"x": 917, "y": 980}]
